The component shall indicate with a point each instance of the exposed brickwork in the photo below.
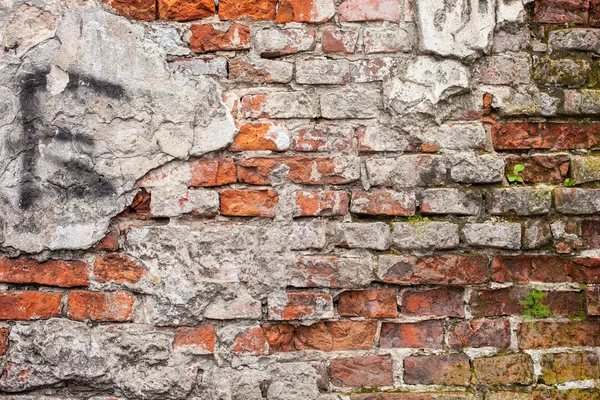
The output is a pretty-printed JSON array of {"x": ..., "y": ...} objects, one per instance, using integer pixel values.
[{"x": 300, "y": 199}]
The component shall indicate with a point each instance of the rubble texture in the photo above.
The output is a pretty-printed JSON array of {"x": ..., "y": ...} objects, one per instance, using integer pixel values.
[{"x": 299, "y": 199}]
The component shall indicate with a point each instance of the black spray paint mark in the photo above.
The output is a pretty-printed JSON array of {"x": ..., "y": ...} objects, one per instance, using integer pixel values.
[{"x": 89, "y": 183}]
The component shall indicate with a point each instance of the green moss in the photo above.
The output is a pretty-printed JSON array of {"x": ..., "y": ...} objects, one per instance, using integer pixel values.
[{"x": 533, "y": 308}]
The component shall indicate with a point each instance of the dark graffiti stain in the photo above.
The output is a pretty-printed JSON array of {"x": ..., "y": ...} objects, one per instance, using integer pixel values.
[{"x": 86, "y": 182}]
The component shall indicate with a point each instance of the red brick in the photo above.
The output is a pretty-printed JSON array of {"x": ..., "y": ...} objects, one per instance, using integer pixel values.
[
  {"x": 110, "y": 242},
  {"x": 375, "y": 303},
  {"x": 413, "y": 395},
  {"x": 593, "y": 300},
  {"x": 249, "y": 203},
  {"x": 504, "y": 370},
  {"x": 212, "y": 172},
  {"x": 100, "y": 306},
  {"x": 302, "y": 170},
  {"x": 118, "y": 268},
  {"x": 492, "y": 303},
  {"x": 383, "y": 202},
  {"x": 545, "y": 269},
  {"x": 361, "y": 371},
  {"x": 322, "y": 137},
  {"x": 594, "y": 13},
  {"x": 590, "y": 233},
  {"x": 552, "y": 136},
  {"x": 144, "y": 10},
  {"x": 565, "y": 367},
  {"x": 185, "y": 10},
  {"x": 211, "y": 37},
  {"x": 24, "y": 306},
  {"x": 329, "y": 271},
  {"x": 300, "y": 305},
  {"x": 561, "y": 11},
  {"x": 251, "y": 341},
  {"x": 418, "y": 335},
  {"x": 370, "y": 10},
  {"x": 200, "y": 338},
  {"x": 453, "y": 369},
  {"x": 480, "y": 333},
  {"x": 252, "y": 9},
  {"x": 51, "y": 273},
  {"x": 305, "y": 10},
  {"x": 3, "y": 341},
  {"x": 436, "y": 270},
  {"x": 279, "y": 337},
  {"x": 321, "y": 203},
  {"x": 336, "y": 336},
  {"x": 339, "y": 40},
  {"x": 443, "y": 302},
  {"x": 140, "y": 206},
  {"x": 265, "y": 136},
  {"x": 541, "y": 168},
  {"x": 543, "y": 335}
]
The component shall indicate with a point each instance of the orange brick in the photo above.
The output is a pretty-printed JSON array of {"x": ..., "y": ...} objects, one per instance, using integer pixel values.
[
  {"x": 251, "y": 341},
  {"x": 200, "y": 338},
  {"x": 266, "y": 136},
  {"x": 210, "y": 37},
  {"x": 321, "y": 203},
  {"x": 336, "y": 335},
  {"x": 280, "y": 337},
  {"x": 305, "y": 10},
  {"x": 185, "y": 10},
  {"x": 3, "y": 341},
  {"x": 100, "y": 306},
  {"x": 249, "y": 203},
  {"x": 118, "y": 268},
  {"x": 144, "y": 10},
  {"x": 51, "y": 273},
  {"x": 376, "y": 303},
  {"x": 24, "y": 306},
  {"x": 252, "y": 9}
]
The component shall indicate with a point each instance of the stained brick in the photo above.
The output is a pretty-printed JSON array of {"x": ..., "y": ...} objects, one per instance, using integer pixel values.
[
  {"x": 279, "y": 337},
  {"x": 590, "y": 233},
  {"x": 251, "y": 341},
  {"x": 383, "y": 202},
  {"x": 541, "y": 168},
  {"x": 508, "y": 301},
  {"x": 441, "y": 270},
  {"x": 197, "y": 339},
  {"x": 321, "y": 203},
  {"x": 419, "y": 335},
  {"x": 553, "y": 136},
  {"x": 564, "y": 367},
  {"x": 100, "y": 306},
  {"x": 211, "y": 37},
  {"x": 451, "y": 369},
  {"x": 185, "y": 10},
  {"x": 504, "y": 370},
  {"x": 375, "y": 303},
  {"x": 24, "y": 306},
  {"x": 335, "y": 40},
  {"x": 282, "y": 42},
  {"x": 260, "y": 71},
  {"x": 302, "y": 170},
  {"x": 480, "y": 333},
  {"x": 286, "y": 105},
  {"x": 305, "y": 10},
  {"x": 249, "y": 203},
  {"x": 542, "y": 334},
  {"x": 561, "y": 11},
  {"x": 593, "y": 300},
  {"x": 144, "y": 10},
  {"x": 261, "y": 136},
  {"x": 251, "y": 9},
  {"x": 3, "y": 341},
  {"x": 370, "y": 10},
  {"x": 300, "y": 305},
  {"x": 118, "y": 268},
  {"x": 332, "y": 271},
  {"x": 336, "y": 335},
  {"x": 51, "y": 273},
  {"x": 445, "y": 302},
  {"x": 361, "y": 371}
]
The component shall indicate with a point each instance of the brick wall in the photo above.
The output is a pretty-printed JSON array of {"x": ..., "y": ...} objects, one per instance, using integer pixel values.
[{"x": 404, "y": 213}]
